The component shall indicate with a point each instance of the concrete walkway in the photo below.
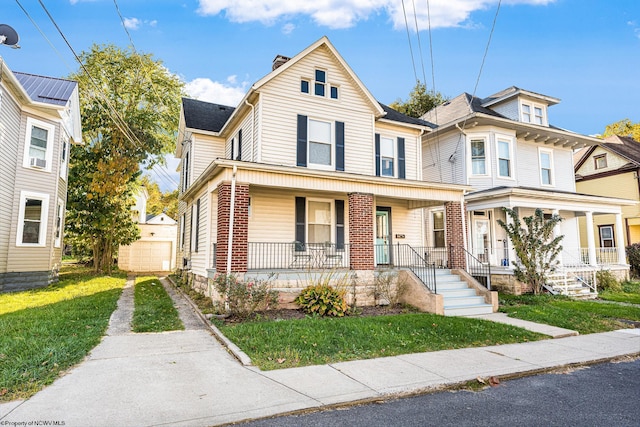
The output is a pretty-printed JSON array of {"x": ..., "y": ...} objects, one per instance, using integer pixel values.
[
  {"x": 187, "y": 378},
  {"x": 552, "y": 331}
]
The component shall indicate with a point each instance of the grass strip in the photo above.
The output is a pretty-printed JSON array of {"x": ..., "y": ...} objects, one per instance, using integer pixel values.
[
  {"x": 630, "y": 293},
  {"x": 55, "y": 330},
  {"x": 586, "y": 317},
  {"x": 154, "y": 310},
  {"x": 313, "y": 340}
]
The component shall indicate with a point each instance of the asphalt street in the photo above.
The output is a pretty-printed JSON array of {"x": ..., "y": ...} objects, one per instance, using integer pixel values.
[{"x": 607, "y": 394}]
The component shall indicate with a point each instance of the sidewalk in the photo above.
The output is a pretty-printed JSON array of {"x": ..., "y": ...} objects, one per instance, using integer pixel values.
[{"x": 187, "y": 378}]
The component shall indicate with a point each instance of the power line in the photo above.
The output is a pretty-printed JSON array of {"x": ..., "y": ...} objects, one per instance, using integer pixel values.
[
  {"x": 415, "y": 18},
  {"x": 406, "y": 24},
  {"x": 433, "y": 85}
]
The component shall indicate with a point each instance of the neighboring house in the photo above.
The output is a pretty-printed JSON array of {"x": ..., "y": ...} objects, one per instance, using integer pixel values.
[
  {"x": 307, "y": 172},
  {"x": 506, "y": 149},
  {"x": 39, "y": 120},
  {"x": 155, "y": 251},
  {"x": 611, "y": 168}
]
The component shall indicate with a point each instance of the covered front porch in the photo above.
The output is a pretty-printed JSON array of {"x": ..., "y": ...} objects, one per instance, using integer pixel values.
[{"x": 578, "y": 261}]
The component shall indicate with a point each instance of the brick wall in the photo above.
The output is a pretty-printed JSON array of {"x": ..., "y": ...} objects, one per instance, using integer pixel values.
[
  {"x": 361, "y": 254},
  {"x": 454, "y": 234},
  {"x": 240, "y": 227}
]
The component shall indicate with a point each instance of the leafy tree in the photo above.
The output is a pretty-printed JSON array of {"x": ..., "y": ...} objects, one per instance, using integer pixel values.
[
  {"x": 159, "y": 201},
  {"x": 535, "y": 246},
  {"x": 130, "y": 106},
  {"x": 623, "y": 128},
  {"x": 420, "y": 101}
]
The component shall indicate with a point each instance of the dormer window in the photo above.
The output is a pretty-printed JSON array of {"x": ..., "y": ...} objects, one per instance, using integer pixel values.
[{"x": 532, "y": 113}]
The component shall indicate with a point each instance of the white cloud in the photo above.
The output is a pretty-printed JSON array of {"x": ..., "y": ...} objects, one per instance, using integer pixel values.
[
  {"x": 132, "y": 23},
  {"x": 208, "y": 90},
  {"x": 346, "y": 13},
  {"x": 288, "y": 28}
]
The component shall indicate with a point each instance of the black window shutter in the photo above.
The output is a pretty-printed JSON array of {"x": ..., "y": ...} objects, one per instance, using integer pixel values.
[
  {"x": 339, "y": 224},
  {"x": 377, "y": 154},
  {"x": 239, "y": 156},
  {"x": 401, "y": 163},
  {"x": 195, "y": 249},
  {"x": 302, "y": 141},
  {"x": 300, "y": 223},
  {"x": 339, "y": 146},
  {"x": 191, "y": 230},
  {"x": 233, "y": 142}
]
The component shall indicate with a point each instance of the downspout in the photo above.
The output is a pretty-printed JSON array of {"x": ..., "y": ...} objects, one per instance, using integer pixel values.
[
  {"x": 253, "y": 135},
  {"x": 231, "y": 216}
]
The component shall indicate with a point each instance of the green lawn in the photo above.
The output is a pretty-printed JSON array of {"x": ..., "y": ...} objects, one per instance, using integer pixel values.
[
  {"x": 46, "y": 331},
  {"x": 586, "y": 317},
  {"x": 312, "y": 341},
  {"x": 630, "y": 293},
  {"x": 154, "y": 310}
]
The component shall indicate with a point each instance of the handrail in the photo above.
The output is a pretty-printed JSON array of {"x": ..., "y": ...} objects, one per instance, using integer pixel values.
[
  {"x": 479, "y": 270},
  {"x": 405, "y": 256}
]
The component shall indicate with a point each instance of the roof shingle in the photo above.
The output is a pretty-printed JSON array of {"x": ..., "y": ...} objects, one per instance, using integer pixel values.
[
  {"x": 50, "y": 90},
  {"x": 205, "y": 115}
]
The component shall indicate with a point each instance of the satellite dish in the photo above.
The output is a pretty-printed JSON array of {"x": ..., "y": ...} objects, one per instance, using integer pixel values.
[{"x": 9, "y": 36}]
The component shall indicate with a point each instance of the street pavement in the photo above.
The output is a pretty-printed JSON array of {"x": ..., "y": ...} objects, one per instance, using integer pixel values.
[{"x": 189, "y": 378}]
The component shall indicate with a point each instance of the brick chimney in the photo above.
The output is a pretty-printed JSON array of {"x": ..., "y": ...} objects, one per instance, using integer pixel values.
[{"x": 278, "y": 61}]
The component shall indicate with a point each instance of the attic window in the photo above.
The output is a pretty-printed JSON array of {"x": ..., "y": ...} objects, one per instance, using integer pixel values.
[
  {"x": 304, "y": 86},
  {"x": 600, "y": 161},
  {"x": 321, "y": 80}
]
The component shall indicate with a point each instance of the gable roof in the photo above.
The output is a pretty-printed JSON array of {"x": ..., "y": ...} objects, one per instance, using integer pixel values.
[
  {"x": 512, "y": 92},
  {"x": 205, "y": 116},
  {"x": 50, "y": 90},
  {"x": 624, "y": 146},
  {"x": 460, "y": 106}
]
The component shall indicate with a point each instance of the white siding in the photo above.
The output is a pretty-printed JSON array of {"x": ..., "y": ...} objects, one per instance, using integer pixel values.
[
  {"x": 204, "y": 150},
  {"x": 613, "y": 162},
  {"x": 403, "y": 221},
  {"x": 282, "y": 101},
  {"x": 528, "y": 170},
  {"x": 199, "y": 261},
  {"x": 436, "y": 166}
]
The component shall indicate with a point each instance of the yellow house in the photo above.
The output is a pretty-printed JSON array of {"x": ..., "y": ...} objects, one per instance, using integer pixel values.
[{"x": 611, "y": 169}]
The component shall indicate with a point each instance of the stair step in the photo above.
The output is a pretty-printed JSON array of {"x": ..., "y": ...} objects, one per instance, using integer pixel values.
[
  {"x": 462, "y": 292},
  {"x": 468, "y": 310},
  {"x": 462, "y": 301},
  {"x": 451, "y": 285}
]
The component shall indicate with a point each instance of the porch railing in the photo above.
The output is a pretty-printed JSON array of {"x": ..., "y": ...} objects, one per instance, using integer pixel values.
[
  {"x": 604, "y": 256},
  {"x": 406, "y": 256},
  {"x": 296, "y": 255}
]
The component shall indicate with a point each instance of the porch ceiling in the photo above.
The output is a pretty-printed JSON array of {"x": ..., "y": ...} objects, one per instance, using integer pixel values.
[
  {"x": 534, "y": 198},
  {"x": 416, "y": 193}
]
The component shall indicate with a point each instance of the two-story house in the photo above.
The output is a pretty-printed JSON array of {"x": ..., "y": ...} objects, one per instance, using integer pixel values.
[
  {"x": 39, "y": 120},
  {"x": 611, "y": 168},
  {"x": 307, "y": 172},
  {"x": 505, "y": 148}
]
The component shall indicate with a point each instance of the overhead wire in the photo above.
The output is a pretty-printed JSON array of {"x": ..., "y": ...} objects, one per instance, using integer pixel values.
[
  {"x": 433, "y": 86},
  {"x": 406, "y": 24}
]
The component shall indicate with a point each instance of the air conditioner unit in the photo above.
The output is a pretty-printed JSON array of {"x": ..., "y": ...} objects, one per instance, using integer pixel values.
[{"x": 37, "y": 163}]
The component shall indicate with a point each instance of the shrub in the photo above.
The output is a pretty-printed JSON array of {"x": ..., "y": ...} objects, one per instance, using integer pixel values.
[
  {"x": 245, "y": 298},
  {"x": 607, "y": 281},
  {"x": 322, "y": 300},
  {"x": 633, "y": 256},
  {"x": 387, "y": 288}
]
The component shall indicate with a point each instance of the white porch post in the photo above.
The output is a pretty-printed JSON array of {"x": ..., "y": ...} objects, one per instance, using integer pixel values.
[
  {"x": 622, "y": 256},
  {"x": 510, "y": 251},
  {"x": 591, "y": 241},
  {"x": 557, "y": 232}
]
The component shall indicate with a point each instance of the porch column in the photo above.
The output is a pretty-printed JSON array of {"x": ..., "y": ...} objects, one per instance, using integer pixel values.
[
  {"x": 454, "y": 230},
  {"x": 591, "y": 241},
  {"x": 361, "y": 224},
  {"x": 557, "y": 232},
  {"x": 622, "y": 253},
  {"x": 510, "y": 250},
  {"x": 240, "y": 228}
]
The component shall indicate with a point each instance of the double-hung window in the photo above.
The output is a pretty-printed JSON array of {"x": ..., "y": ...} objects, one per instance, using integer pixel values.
[
  {"x": 600, "y": 161},
  {"x": 546, "y": 166},
  {"x": 38, "y": 151},
  {"x": 319, "y": 221},
  {"x": 538, "y": 117},
  {"x": 64, "y": 158},
  {"x": 606, "y": 236},
  {"x": 438, "y": 229},
  {"x": 533, "y": 113},
  {"x": 387, "y": 157},
  {"x": 321, "y": 151},
  {"x": 526, "y": 113},
  {"x": 320, "y": 83},
  {"x": 32, "y": 219},
  {"x": 478, "y": 157},
  {"x": 59, "y": 221},
  {"x": 504, "y": 159}
]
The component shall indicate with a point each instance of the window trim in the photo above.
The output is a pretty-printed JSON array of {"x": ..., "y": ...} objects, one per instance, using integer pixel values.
[
  {"x": 598, "y": 157},
  {"x": 613, "y": 236},
  {"x": 51, "y": 129},
  {"x": 552, "y": 178},
  {"x": 532, "y": 113},
  {"x": 44, "y": 215},
  {"x": 311, "y": 165},
  {"x": 433, "y": 228},
  {"x": 332, "y": 219},
  {"x": 183, "y": 220},
  {"x": 394, "y": 158},
  {"x": 508, "y": 140},
  {"x": 59, "y": 229},
  {"x": 308, "y": 82},
  {"x": 65, "y": 151},
  {"x": 487, "y": 168}
]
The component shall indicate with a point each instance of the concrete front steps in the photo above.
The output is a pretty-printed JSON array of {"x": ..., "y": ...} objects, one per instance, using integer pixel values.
[{"x": 459, "y": 298}]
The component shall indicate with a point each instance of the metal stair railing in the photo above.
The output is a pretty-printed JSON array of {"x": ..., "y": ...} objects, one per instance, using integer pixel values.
[
  {"x": 405, "y": 256},
  {"x": 479, "y": 270}
]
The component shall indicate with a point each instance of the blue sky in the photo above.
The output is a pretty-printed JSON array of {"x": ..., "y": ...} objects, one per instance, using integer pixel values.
[{"x": 585, "y": 52}]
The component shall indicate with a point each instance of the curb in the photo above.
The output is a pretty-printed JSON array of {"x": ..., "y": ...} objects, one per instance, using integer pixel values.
[{"x": 233, "y": 349}]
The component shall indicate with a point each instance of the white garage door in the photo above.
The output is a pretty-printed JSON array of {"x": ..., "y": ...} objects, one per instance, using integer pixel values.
[{"x": 150, "y": 256}]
